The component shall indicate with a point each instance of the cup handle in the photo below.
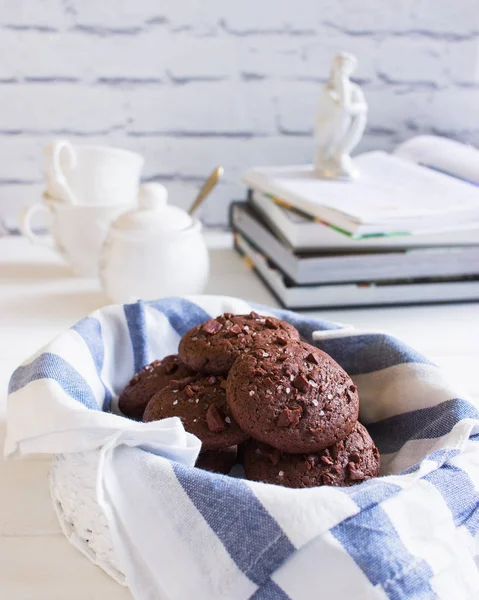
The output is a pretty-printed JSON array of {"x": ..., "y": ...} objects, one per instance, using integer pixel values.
[
  {"x": 26, "y": 229},
  {"x": 59, "y": 176}
]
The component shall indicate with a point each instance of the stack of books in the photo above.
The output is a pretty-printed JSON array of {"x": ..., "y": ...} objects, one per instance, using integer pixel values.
[{"x": 407, "y": 231}]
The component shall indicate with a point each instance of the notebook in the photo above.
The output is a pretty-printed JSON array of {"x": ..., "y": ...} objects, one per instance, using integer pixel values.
[
  {"x": 301, "y": 232},
  {"x": 393, "y": 195},
  {"x": 319, "y": 267},
  {"x": 373, "y": 293}
]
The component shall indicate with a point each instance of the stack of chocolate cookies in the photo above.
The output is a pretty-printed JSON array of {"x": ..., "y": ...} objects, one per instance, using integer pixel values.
[{"x": 249, "y": 382}]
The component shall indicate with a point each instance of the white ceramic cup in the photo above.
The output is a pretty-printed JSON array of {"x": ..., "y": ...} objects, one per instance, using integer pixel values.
[
  {"x": 78, "y": 232},
  {"x": 92, "y": 175}
]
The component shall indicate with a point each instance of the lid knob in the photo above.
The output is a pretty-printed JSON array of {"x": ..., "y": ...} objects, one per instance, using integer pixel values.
[
  {"x": 153, "y": 196},
  {"x": 153, "y": 214}
]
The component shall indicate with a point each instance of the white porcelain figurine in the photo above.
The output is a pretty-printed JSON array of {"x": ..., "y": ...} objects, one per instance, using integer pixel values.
[{"x": 340, "y": 122}]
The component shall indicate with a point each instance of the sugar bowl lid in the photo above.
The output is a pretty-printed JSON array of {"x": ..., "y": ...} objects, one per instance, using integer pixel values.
[{"x": 153, "y": 215}]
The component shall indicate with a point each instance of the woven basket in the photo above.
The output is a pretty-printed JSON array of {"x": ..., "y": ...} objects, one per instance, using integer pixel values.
[
  {"x": 149, "y": 328},
  {"x": 73, "y": 479}
]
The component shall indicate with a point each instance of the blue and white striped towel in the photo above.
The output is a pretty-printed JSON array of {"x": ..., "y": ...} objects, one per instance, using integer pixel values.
[{"x": 182, "y": 533}]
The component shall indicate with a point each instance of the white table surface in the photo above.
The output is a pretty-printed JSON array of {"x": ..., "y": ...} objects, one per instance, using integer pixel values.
[{"x": 39, "y": 299}]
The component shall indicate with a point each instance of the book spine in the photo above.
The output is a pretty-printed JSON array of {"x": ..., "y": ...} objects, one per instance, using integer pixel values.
[
  {"x": 231, "y": 212},
  {"x": 249, "y": 262}
]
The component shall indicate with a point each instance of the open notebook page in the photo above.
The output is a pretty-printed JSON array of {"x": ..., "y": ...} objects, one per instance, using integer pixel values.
[
  {"x": 443, "y": 154},
  {"x": 389, "y": 189}
]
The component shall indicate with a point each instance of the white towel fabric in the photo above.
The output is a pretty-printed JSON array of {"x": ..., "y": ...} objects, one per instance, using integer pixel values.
[{"x": 183, "y": 533}]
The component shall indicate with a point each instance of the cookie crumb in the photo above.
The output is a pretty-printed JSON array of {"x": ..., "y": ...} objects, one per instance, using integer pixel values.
[
  {"x": 301, "y": 383},
  {"x": 311, "y": 358},
  {"x": 270, "y": 324},
  {"x": 289, "y": 416},
  {"x": 214, "y": 420},
  {"x": 212, "y": 327},
  {"x": 354, "y": 473}
]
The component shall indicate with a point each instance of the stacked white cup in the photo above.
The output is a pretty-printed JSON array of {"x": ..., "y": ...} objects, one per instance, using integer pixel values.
[{"x": 87, "y": 187}]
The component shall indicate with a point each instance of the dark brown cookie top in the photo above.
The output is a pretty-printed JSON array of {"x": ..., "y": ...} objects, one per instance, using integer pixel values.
[
  {"x": 293, "y": 397},
  {"x": 213, "y": 346},
  {"x": 200, "y": 402},
  {"x": 347, "y": 462},
  {"x": 151, "y": 379},
  {"x": 218, "y": 461}
]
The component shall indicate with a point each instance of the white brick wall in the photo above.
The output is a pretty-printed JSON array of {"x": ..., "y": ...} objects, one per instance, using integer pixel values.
[{"x": 194, "y": 83}]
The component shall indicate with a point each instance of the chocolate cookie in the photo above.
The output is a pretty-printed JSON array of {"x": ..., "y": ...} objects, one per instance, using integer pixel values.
[
  {"x": 213, "y": 346},
  {"x": 218, "y": 461},
  {"x": 347, "y": 462},
  {"x": 293, "y": 397},
  {"x": 151, "y": 379},
  {"x": 200, "y": 402}
]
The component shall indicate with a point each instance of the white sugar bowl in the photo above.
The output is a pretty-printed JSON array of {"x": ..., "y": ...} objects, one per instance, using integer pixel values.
[{"x": 153, "y": 251}]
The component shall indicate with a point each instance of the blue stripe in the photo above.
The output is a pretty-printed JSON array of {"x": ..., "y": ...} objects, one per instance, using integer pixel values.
[
  {"x": 90, "y": 330},
  {"x": 270, "y": 591},
  {"x": 371, "y": 493},
  {"x": 368, "y": 353},
  {"x": 254, "y": 540},
  {"x": 426, "y": 423},
  {"x": 52, "y": 366},
  {"x": 135, "y": 319},
  {"x": 182, "y": 314},
  {"x": 371, "y": 540},
  {"x": 459, "y": 494}
]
